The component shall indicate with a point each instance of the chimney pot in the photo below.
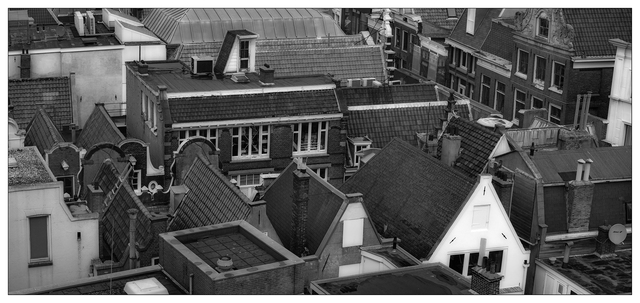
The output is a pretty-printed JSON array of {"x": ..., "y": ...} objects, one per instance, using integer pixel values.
[
  {"x": 587, "y": 169},
  {"x": 579, "y": 170}
]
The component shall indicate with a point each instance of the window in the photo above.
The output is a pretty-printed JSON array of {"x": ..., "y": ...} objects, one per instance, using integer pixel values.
[
  {"x": 485, "y": 90},
  {"x": 472, "y": 64},
  {"x": 453, "y": 82},
  {"x": 540, "y": 69},
  {"x": 456, "y": 262},
  {"x": 244, "y": 55},
  {"x": 473, "y": 261},
  {"x": 310, "y": 137},
  {"x": 627, "y": 134},
  {"x": 322, "y": 173},
  {"x": 523, "y": 61},
  {"x": 250, "y": 142},
  {"x": 537, "y": 102},
  {"x": 145, "y": 105},
  {"x": 471, "y": 90},
  {"x": 405, "y": 40},
  {"x": 398, "y": 37},
  {"x": 39, "y": 239},
  {"x": 463, "y": 263},
  {"x": 135, "y": 179},
  {"x": 155, "y": 260},
  {"x": 451, "y": 13},
  {"x": 248, "y": 180},
  {"x": 210, "y": 134},
  {"x": 519, "y": 102},
  {"x": 558, "y": 76},
  {"x": 471, "y": 20},
  {"x": 627, "y": 212},
  {"x": 149, "y": 111},
  {"x": 415, "y": 40},
  {"x": 463, "y": 59},
  {"x": 495, "y": 257},
  {"x": 543, "y": 26},
  {"x": 555, "y": 113},
  {"x": 498, "y": 103},
  {"x": 352, "y": 232},
  {"x": 480, "y": 219},
  {"x": 462, "y": 86},
  {"x": 67, "y": 185}
]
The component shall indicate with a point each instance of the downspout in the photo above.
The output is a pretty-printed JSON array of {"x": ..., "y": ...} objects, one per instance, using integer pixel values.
[{"x": 132, "y": 237}]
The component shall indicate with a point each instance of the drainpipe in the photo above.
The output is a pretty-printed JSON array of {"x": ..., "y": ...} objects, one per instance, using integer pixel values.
[
  {"x": 191, "y": 284},
  {"x": 524, "y": 274},
  {"x": 132, "y": 237}
]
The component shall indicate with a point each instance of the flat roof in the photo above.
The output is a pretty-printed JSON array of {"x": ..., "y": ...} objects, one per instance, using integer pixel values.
[
  {"x": 178, "y": 79},
  {"x": 607, "y": 276},
  {"x": 29, "y": 169},
  {"x": 425, "y": 279},
  {"x": 58, "y": 36}
]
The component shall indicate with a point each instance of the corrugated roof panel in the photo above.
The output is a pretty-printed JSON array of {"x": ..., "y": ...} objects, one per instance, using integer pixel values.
[
  {"x": 259, "y": 28},
  {"x": 319, "y": 26},
  {"x": 279, "y": 28},
  {"x": 289, "y": 28},
  {"x": 309, "y": 27},
  {"x": 195, "y": 18},
  {"x": 236, "y": 22},
  {"x": 184, "y": 30}
]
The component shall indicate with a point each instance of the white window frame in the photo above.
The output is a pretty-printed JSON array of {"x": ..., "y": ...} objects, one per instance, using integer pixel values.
[
  {"x": 627, "y": 128},
  {"x": 462, "y": 89},
  {"x": 465, "y": 263},
  {"x": 471, "y": 21},
  {"x": 248, "y": 180},
  {"x": 451, "y": 13},
  {"x": 536, "y": 80},
  {"x": 538, "y": 25},
  {"x": 144, "y": 105},
  {"x": 320, "y": 147},
  {"x": 353, "y": 232},
  {"x": 554, "y": 86},
  {"x": 320, "y": 171},
  {"x": 135, "y": 180},
  {"x": 515, "y": 101},
  {"x": 73, "y": 183},
  {"x": 480, "y": 217},
  {"x": 453, "y": 81},
  {"x": 549, "y": 117},
  {"x": 47, "y": 258},
  {"x": 484, "y": 87},
  {"x": 241, "y": 59},
  {"x": 518, "y": 66},
  {"x": 533, "y": 98},
  {"x": 463, "y": 59},
  {"x": 183, "y": 135},
  {"x": 495, "y": 96},
  {"x": 241, "y": 133}
]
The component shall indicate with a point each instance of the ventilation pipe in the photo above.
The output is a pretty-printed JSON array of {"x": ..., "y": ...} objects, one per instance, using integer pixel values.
[
  {"x": 579, "y": 170},
  {"x": 587, "y": 170}
]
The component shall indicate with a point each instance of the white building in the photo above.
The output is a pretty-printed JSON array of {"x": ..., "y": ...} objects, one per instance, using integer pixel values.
[{"x": 619, "y": 119}]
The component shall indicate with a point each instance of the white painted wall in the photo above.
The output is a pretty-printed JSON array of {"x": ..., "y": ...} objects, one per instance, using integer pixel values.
[
  {"x": 71, "y": 257},
  {"x": 460, "y": 238},
  {"x": 550, "y": 282},
  {"x": 620, "y": 98},
  {"x": 16, "y": 137}
]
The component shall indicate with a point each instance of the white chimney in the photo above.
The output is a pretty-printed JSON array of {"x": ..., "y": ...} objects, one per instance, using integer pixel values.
[
  {"x": 579, "y": 171},
  {"x": 587, "y": 169}
]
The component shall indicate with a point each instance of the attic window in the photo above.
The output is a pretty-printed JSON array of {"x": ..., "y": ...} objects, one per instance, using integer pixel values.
[
  {"x": 244, "y": 55},
  {"x": 543, "y": 26},
  {"x": 451, "y": 13},
  {"x": 480, "y": 219},
  {"x": 471, "y": 21}
]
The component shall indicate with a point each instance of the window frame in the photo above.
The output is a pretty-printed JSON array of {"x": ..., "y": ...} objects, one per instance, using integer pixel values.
[
  {"x": 73, "y": 184},
  {"x": 550, "y": 115},
  {"x": 471, "y": 21},
  {"x": 398, "y": 41},
  {"x": 495, "y": 96},
  {"x": 135, "y": 175},
  {"x": 522, "y": 68},
  {"x": 559, "y": 76},
  {"x": 533, "y": 102},
  {"x": 463, "y": 60},
  {"x": 485, "y": 88},
  {"x": 356, "y": 226},
  {"x": 405, "y": 40},
  {"x": 321, "y": 147},
  {"x": 462, "y": 88},
  {"x": 516, "y": 101},
  {"x": 47, "y": 226},
  {"x": 539, "y": 26},
  {"x": 263, "y": 137},
  {"x": 451, "y": 13},
  {"x": 480, "y": 218},
  {"x": 241, "y": 58},
  {"x": 537, "y": 70},
  {"x": 183, "y": 135}
]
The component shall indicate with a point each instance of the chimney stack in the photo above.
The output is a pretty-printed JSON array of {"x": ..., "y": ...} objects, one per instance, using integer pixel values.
[
  {"x": 579, "y": 170},
  {"x": 579, "y": 197},
  {"x": 485, "y": 282},
  {"x": 450, "y": 149},
  {"x": 299, "y": 210},
  {"x": 604, "y": 247},
  {"x": 266, "y": 76},
  {"x": 133, "y": 214}
]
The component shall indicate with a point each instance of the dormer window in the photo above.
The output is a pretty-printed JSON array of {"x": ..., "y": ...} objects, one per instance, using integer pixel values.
[
  {"x": 244, "y": 55},
  {"x": 471, "y": 21},
  {"x": 451, "y": 13},
  {"x": 543, "y": 26},
  {"x": 355, "y": 148}
]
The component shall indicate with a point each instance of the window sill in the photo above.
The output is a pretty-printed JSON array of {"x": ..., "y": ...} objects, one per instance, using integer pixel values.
[
  {"x": 310, "y": 155},
  {"x": 555, "y": 90},
  {"x": 154, "y": 130},
  {"x": 241, "y": 160},
  {"x": 521, "y": 75},
  {"x": 538, "y": 84},
  {"x": 40, "y": 263}
]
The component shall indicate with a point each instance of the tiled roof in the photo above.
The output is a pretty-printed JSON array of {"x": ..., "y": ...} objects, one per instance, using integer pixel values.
[
  {"x": 499, "y": 41},
  {"x": 212, "y": 108},
  {"x": 436, "y": 21},
  {"x": 193, "y": 25},
  {"x": 41, "y": 16},
  {"x": 324, "y": 204},
  {"x": 394, "y": 94},
  {"x": 477, "y": 143},
  {"x": 211, "y": 199},
  {"x": 41, "y": 132},
  {"x": 609, "y": 163},
  {"x": 53, "y": 94},
  {"x": 522, "y": 204},
  {"x": 410, "y": 194},
  {"x": 401, "y": 121},
  {"x": 30, "y": 168},
  {"x": 116, "y": 219},
  {"x": 344, "y": 63},
  {"x": 595, "y": 26},
  {"x": 482, "y": 29},
  {"x": 99, "y": 128}
]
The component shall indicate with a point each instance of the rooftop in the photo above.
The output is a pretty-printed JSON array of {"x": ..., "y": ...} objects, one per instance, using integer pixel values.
[
  {"x": 398, "y": 256},
  {"x": 425, "y": 279},
  {"x": 41, "y": 16},
  {"x": 98, "y": 129},
  {"x": 53, "y": 94},
  {"x": 30, "y": 168},
  {"x": 608, "y": 276},
  {"x": 595, "y": 26},
  {"x": 54, "y": 36},
  {"x": 41, "y": 132}
]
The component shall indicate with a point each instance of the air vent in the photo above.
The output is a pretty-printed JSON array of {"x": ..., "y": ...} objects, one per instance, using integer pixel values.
[
  {"x": 240, "y": 78},
  {"x": 149, "y": 286},
  {"x": 202, "y": 65}
]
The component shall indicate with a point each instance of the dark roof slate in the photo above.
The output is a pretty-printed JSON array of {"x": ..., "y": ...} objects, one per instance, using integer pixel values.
[
  {"x": 382, "y": 125},
  {"x": 324, "y": 204},
  {"x": 47, "y": 37},
  {"x": 499, "y": 41},
  {"x": 394, "y": 94},
  {"x": 41, "y": 16},
  {"x": 41, "y": 132},
  {"x": 436, "y": 21},
  {"x": 99, "y": 128},
  {"x": 211, "y": 199},
  {"x": 215, "y": 108},
  {"x": 477, "y": 143},
  {"x": 482, "y": 29},
  {"x": 410, "y": 193},
  {"x": 595, "y": 26},
  {"x": 53, "y": 94},
  {"x": 609, "y": 163}
]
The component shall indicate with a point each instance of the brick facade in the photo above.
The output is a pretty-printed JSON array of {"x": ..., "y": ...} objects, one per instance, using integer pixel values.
[
  {"x": 604, "y": 246},
  {"x": 579, "y": 200},
  {"x": 485, "y": 283}
]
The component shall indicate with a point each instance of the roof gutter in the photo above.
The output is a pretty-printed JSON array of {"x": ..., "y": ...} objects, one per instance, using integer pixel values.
[
  {"x": 257, "y": 121},
  {"x": 585, "y": 63}
]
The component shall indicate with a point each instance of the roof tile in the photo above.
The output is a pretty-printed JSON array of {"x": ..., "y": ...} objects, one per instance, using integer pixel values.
[{"x": 53, "y": 94}]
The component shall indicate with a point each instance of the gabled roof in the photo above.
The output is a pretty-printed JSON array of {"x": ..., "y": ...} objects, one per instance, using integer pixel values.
[
  {"x": 410, "y": 195},
  {"x": 41, "y": 132},
  {"x": 382, "y": 123},
  {"x": 483, "y": 25},
  {"x": 53, "y": 94},
  {"x": 41, "y": 16},
  {"x": 211, "y": 199},
  {"x": 99, "y": 128},
  {"x": 609, "y": 163},
  {"x": 193, "y": 25},
  {"x": 595, "y": 26},
  {"x": 477, "y": 144},
  {"x": 325, "y": 202},
  {"x": 278, "y": 104},
  {"x": 392, "y": 94},
  {"x": 499, "y": 41},
  {"x": 436, "y": 21},
  {"x": 138, "y": 29},
  {"x": 350, "y": 62},
  {"x": 115, "y": 218},
  {"x": 225, "y": 50}
]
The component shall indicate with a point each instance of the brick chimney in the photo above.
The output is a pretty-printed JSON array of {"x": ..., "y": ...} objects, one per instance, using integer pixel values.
[
  {"x": 484, "y": 282},
  {"x": 133, "y": 214},
  {"x": 266, "y": 76},
  {"x": 450, "y": 149},
  {"x": 177, "y": 193},
  {"x": 95, "y": 198},
  {"x": 299, "y": 211},
  {"x": 579, "y": 196},
  {"x": 604, "y": 246}
]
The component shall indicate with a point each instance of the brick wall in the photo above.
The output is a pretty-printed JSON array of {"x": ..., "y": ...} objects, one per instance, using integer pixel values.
[
  {"x": 579, "y": 198},
  {"x": 67, "y": 154},
  {"x": 606, "y": 205},
  {"x": 604, "y": 247},
  {"x": 280, "y": 145},
  {"x": 598, "y": 81},
  {"x": 158, "y": 226},
  {"x": 485, "y": 283}
]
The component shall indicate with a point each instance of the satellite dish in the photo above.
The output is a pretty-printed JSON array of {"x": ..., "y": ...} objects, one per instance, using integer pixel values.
[{"x": 617, "y": 234}]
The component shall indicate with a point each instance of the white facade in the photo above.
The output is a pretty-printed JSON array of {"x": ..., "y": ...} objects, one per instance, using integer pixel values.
[
  {"x": 16, "y": 135},
  {"x": 483, "y": 217},
  {"x": 619, "y": 127},
  {"x": 72, "y": 241},
  {"x": 550, "y": 282}
]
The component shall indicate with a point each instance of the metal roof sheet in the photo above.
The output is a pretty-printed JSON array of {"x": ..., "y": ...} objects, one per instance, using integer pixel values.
[{"x": 608, "y": 163}]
